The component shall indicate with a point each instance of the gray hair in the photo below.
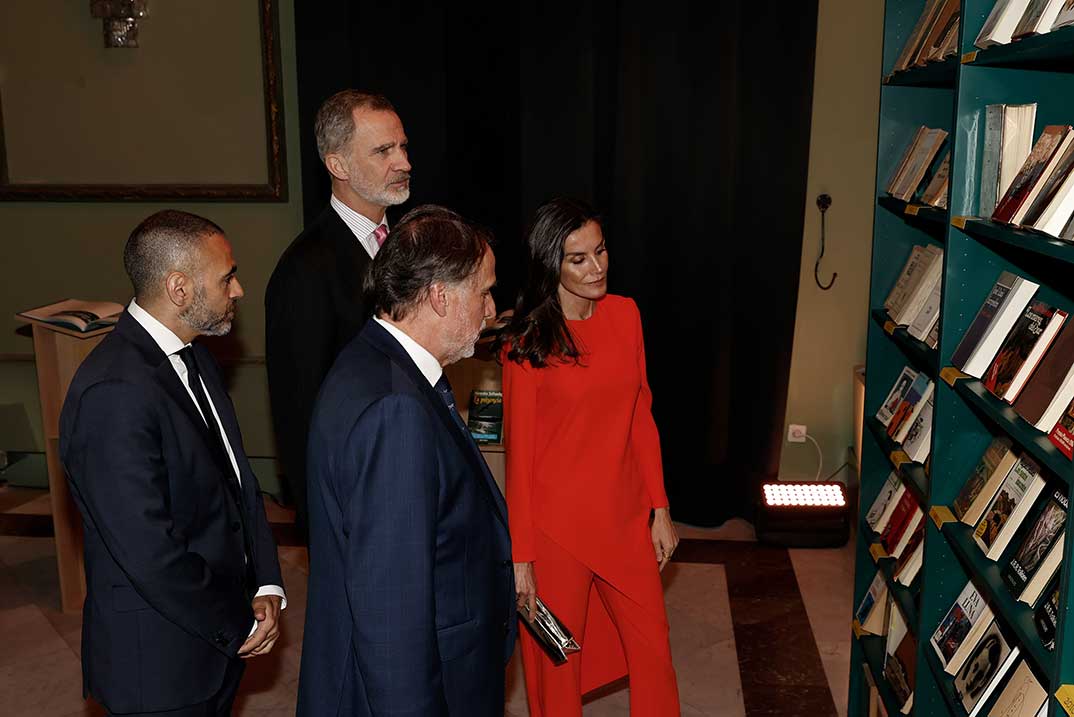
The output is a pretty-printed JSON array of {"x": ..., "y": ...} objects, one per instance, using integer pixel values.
[
  {"x": 164, "y": 242},
  {"x": 334, "y": 125}
]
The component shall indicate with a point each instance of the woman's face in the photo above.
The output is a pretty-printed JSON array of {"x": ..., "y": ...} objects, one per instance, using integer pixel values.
[{"x": 584, "y": 271}]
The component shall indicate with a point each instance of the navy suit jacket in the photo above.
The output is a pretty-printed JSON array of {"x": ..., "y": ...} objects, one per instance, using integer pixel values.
[
  {"x": 167, "y": 601},
  {"x": 411, "y": 593}
]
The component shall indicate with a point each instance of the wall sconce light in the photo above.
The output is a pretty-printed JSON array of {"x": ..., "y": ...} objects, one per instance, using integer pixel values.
[{"x": 120, "y": 19}]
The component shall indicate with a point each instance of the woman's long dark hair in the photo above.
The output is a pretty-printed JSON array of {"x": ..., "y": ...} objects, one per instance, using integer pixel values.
[{"x": 538, "y": 331}]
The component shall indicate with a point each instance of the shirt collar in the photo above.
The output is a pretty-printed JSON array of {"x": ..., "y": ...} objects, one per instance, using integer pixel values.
[
  {"x": 361, "y": 225},
  {"x": 168, "y": 342},
  {"x": 426, "y": 362}
]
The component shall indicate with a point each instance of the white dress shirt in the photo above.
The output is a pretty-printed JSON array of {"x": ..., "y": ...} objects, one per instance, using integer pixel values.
[
  {"x": 171, "y": 344},
  {"x": 428, "y": 365},
  {"x": 360, "y": 225}
]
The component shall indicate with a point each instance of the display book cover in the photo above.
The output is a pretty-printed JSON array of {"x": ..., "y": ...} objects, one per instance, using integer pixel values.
[
  {"x": 1009, "y": 507},
  {"x": 1022, "y": 696},
  {"x": 917, "y": 444},
  {"x": 894, "y": 398},
  {"x": 1054, "y": 374},
  {"x": 485, "y": 417},
  {"x": 1021, "y": 351},
  {"x": 1062, "y": 434},
  {"x": 961, "y": 628},
  {"x": 872, "y": 610},
  {"x": 990, "y": 659},
  {"x": 1021, "y": 188},
  {"x": 904, "y": 519},
  {"x": 909, "y": 407},
  {"x": 995, "y": 463},
  {"x": 900, "y": 665},
  {"x": 1040, "y": 548},
  {"x": 880, "y": 511},
  {"x": 1046, "y": 615},
  {"x": 979, "y": 326}
]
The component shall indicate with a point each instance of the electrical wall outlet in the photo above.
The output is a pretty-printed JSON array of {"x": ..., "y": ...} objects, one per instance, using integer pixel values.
[{"x": 796, "y": 433}]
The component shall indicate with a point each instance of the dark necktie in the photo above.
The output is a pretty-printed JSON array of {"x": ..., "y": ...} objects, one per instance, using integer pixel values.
[
  {"x": 193, "y": 376},
  {"x": 443, "y": 387}
]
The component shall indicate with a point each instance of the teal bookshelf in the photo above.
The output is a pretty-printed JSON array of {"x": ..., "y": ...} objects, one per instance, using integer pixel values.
[{"x": 952, "y": 95}]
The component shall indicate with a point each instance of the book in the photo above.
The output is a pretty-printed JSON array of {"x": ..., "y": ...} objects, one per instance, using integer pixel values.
[
  {"x": 894, "y": 397},
  {"x": 985, "y": 667},
  {"x": 1038, "y": 18},
  {"x": 1021, "y": 351},
  {"x": 999, "y": 27},
  {"x": 903, "y": 520},
  {"x": 1046, "y": 616},
  {"x": 1062, "y": 434},
  {"x": 1065, "y": 16},
  {"x": 900, "y": 663},
  {"x": 912, "y": 402},
  {"x": 940, "y": 29},
  {"x": 1051, "y": 182},
  {"x": 929, "y": 315},
  {"x": 1008, "y": 140},
  {"x": 921, "y": 154},
  {"x": 961, "y": 629},
  {"x": 917, "y": 35},
  {"x": 1046, "y": 153},
  {"x": 84, "y": 316},
  {"x": 880, "y": 512},
  {"x": 984, "y": 481},
  {"x": 1005, "y": 303},
  {"x": 1051, "y": 386},
  {"x": 1023, "y": 695},
  {"x": 1054, "y": 217},
  {"x": 872, "y": 613},
  {"x": 1031, "y": 568},
  {"x": 1009, "y": 507},
  {"x": 485, "y": 418},
  {"x": 918, "y": 441},
  {"x": 909, "y": 562},
  {"x": 933, "y": 339},
  {"x": 935, "y": 193},
  {"x": 912, "y": 289}
]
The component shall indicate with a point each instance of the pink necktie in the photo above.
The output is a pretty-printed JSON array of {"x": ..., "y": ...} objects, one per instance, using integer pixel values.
[{"x": 380, "y": 234}]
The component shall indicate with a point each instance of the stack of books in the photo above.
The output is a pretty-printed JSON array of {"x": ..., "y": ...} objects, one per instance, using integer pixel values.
[{"x": 1014, "y": 19}]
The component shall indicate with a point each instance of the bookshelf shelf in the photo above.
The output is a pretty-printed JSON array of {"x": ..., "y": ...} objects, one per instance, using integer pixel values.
[
  {"x": 1002, "y": 415},
  {"x": 872, "y": 648},
  {"x": 954, "y": 96},
  {"x": 945, "y": 682},
  {"x": 934, "y": 74},
  {"x": 1016, "y": 616},
  {"x": 927, "y": 215},
  {"x": 920, "y": 355},
  {"x": 1053, "y": 51},
  {"x": 1031, "y": 241},
  {"x": 912, "y": 474}
]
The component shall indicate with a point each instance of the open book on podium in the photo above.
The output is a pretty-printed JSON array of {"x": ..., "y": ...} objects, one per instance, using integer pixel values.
[{"x": 64, "y": 334}]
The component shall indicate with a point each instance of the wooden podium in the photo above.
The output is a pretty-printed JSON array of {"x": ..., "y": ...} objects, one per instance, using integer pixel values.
[{"x": 58, "y": 352}]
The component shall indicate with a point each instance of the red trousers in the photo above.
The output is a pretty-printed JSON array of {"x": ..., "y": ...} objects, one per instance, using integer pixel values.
[{"x": 565, "y": 585}]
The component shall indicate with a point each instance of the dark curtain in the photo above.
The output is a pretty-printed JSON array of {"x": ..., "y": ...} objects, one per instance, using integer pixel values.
[{"x": 685, "y": 123}]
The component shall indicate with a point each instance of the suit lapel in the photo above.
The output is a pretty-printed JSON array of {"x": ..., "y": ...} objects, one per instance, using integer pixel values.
[
  {"x": 380, "y": 338},
  {"x": 228, "y": 421},
  {"x": 169, "y": 380}
]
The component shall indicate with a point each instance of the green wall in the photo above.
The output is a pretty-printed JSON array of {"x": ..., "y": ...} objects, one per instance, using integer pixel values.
[{"x": 55, "y": 250}]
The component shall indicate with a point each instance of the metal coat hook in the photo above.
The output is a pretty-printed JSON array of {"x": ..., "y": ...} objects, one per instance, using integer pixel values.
[{"x": 823, "y": 202}]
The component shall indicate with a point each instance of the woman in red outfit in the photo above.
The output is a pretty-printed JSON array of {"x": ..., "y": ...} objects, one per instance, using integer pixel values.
[{"x": 589, "y": 518}]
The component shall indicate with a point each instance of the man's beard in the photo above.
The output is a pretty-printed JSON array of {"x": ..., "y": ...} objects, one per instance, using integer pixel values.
[
  {"x": 381, "y": 196},
  {"x": 465, "y": 346},
  {"x": 200, "y": 317}
]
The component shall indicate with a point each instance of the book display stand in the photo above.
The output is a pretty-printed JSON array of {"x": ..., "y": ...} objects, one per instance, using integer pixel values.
[
  {"x": 58, "y": 352},
  {"x": 952, "y": 95}
]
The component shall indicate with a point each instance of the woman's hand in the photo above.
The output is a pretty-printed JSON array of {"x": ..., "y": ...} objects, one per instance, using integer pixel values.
[
  {"x": 665, "y": 539},
  {"x": 526, "y": 589}
]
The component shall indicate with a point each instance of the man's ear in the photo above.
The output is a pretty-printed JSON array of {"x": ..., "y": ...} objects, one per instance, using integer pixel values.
[
  {"x": 438, "y": 299},
  {"x": 179, "y": 288},
  {"x": 337, "y": 167}
]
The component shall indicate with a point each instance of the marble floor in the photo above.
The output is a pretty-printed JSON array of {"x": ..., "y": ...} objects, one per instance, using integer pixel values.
[{"x": 755, "y": 630}]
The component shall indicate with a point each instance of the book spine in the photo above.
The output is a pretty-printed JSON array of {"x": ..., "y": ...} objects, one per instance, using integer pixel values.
[{"x": 990, "y": 159}]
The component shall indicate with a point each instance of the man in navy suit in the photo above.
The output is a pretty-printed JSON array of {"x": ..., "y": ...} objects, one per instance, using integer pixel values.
[
  {"x": 182, "y": 576},
  {"x": 411, "y": 593}
]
